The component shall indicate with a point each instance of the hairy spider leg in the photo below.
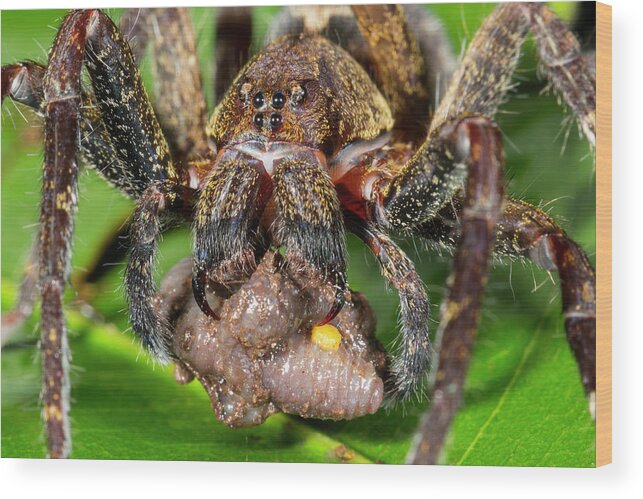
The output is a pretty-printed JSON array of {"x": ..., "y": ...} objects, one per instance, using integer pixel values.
[
  {"x": 476, "y": 141},
  {"x": 483, "y": 78},
  {"x": 528, "y": 232},
  {"x": 23, "y": 83},
  {"x": 179, "y": 106},
  {"x": 564, "y": 65},
  {"x": 177, "y": 87},
  {"x": 59, "y": 198},
  {"x": 309, "y": 222},
  {"x": 178, "y": 92},
  {"x": 233, "y": 37},
  {"x": 478, "y": 87},
  {"x": 411, "y": 363},
  {"x": 227, "y": 238},
  {"x": 160, "y": 197},
  {"x": 134, "y": 137},
  {"x": 304, "y": 217},
  {"x": 182, "y": 116}
]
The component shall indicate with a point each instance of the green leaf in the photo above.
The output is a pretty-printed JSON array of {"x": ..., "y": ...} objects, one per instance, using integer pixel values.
[
  {"x": 524, "y": 403},
  {"x": 127, "y": 408}
]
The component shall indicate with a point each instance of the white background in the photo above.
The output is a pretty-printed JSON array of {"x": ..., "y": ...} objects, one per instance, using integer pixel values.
[{"x": 623, "y": 479}]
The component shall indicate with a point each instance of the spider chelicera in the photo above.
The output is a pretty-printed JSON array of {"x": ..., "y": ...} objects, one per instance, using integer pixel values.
[{"x": 303, "y": 147}]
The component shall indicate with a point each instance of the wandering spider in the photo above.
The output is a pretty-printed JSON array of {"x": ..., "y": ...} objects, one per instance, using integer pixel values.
[{"x": 363, "y": 148}]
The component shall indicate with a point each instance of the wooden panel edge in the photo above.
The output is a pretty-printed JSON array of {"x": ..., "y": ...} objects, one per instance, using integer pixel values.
[{"x": 603, "y": 234}]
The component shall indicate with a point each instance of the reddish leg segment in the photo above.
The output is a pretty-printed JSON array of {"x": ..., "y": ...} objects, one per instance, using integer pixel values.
[
  {"x": 135, "y": 134},
  {"x": 528, "y": 232},
  {"x": 477, "y": 142},
  {"x": 62, "y": 128}
]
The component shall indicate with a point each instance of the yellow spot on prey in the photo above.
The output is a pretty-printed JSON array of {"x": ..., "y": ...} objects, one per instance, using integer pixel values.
[{"x": 326, "y": 337}]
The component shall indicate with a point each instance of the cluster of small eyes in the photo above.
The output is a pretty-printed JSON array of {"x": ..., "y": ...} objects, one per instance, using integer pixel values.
[{"x": 277, "y": 102}]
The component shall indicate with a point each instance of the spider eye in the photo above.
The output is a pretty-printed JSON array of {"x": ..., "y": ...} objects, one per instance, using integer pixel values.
[
  {"x": 258, "y": 100},
  {"x": 278, "y": 100},
  {"x": 297, "y": 95},
  {"x": 258, "y": 120},
  {"x": 276, "y": 120}
]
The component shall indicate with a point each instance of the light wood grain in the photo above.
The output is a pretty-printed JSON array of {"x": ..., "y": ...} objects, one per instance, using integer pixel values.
[{"x": 604, "y": 234}]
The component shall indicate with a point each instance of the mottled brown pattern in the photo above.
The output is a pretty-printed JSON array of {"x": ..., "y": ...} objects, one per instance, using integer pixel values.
[
  {"x": 259, "y": 359},
  {"x": 338, "y": 24},
  {"x": 310, "y": 223},
  {"x": 483, "y": 199},
  {"x": 399, "y": 66},
  {"x": 342, "y": 104},
  {"x": 226, "y": 221},
  {"x": 178, "y": 91}
]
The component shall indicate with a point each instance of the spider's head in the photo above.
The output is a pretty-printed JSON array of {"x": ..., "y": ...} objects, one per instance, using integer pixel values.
[{"x": 301, "y": 89}]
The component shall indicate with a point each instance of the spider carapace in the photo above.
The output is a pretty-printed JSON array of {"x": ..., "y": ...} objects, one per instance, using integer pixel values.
[{"x": 285, "y": 133}]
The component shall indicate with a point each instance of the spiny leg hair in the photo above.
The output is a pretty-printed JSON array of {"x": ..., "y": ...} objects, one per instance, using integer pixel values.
[
  {"x": 310, "y": 223},
  {"x": 411, "y": 363},
  {"x": 479, "y": 86},
  {"x": 525, "y": 231},
  {"x": 145, "y": 230},
  {"x": 90, "y": 37},
  {"x": 178, "y": 91},
  {"x": 476, "y": 141},
  {"x": 226, "y": 223}
]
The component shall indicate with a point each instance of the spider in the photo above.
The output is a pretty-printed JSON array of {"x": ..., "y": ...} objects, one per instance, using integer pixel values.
[{"x": 303, "y": 147}]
